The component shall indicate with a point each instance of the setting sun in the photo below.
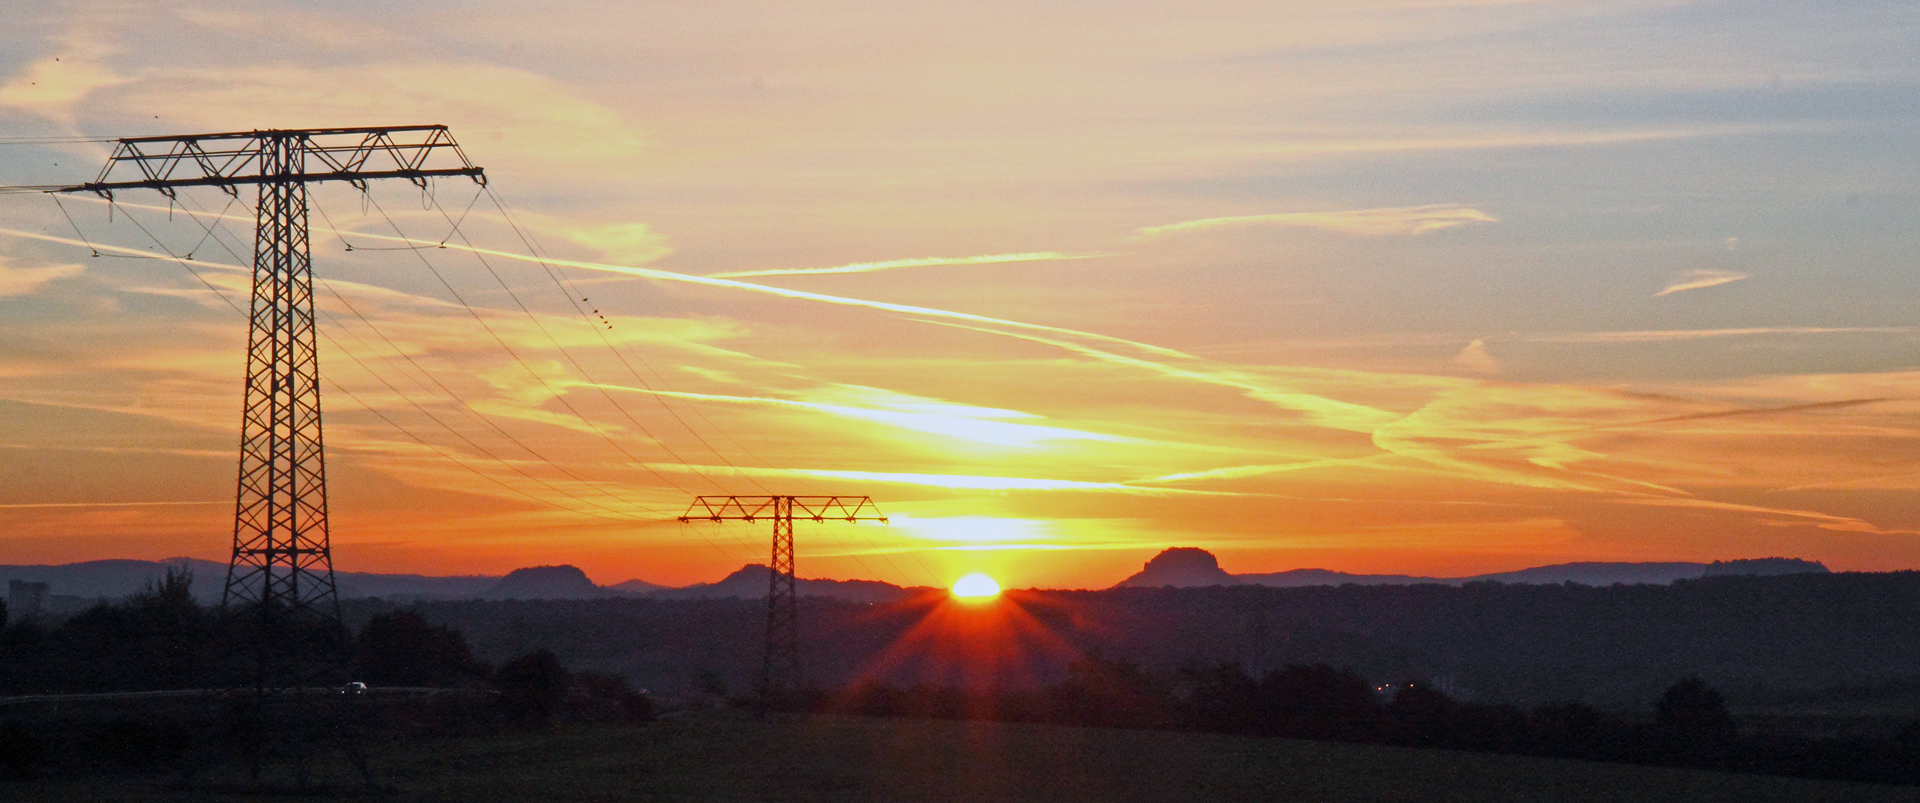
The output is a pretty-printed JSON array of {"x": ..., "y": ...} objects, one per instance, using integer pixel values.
[{"x": 975, "y": 586}]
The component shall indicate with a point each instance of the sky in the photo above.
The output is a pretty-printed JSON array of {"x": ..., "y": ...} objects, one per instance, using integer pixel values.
[{"x": 1439, "y": 287}]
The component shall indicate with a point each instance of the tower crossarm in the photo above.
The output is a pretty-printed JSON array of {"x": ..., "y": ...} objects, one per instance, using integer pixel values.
[
  {"x": 229, "y": 160},
  {"x": 754, "y": 508}
]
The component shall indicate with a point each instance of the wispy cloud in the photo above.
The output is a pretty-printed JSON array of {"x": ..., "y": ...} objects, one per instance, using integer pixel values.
[
  {"x": 21, "y": 281},
  {"x": 922, "y": 262},
  {"x": 1664, "y": 335},
  {"x": 1321, "y": 410},
  {"x": 1825, "y": 521},
  {"x": 1476, "y": 359},
  {"x": 52, "y": 86},
  {"x": 1000, "y": 483},
  {"x": 1697, "y": 279},
  {"x": 635, "y": 243},
  {"x": 1382, "y": 222}
]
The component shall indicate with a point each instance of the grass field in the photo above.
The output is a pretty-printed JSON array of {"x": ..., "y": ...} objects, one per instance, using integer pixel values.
[{"x": 723, "y": 756}]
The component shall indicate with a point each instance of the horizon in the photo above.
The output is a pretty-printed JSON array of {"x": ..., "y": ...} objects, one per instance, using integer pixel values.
[
  {"x": 1404, "y": 287},
  {"x": 803, "y": 576}
]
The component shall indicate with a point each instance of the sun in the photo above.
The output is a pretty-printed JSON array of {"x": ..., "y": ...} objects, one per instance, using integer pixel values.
[{"x": 975, "y": 586}]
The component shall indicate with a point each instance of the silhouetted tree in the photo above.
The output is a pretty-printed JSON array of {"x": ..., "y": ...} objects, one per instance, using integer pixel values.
[
  {"x": 401, "y": 649},
  {"x": 532, "y": 688},
  {"x": 1691, "y": 723},
  {"x": 157, "y": 639}
]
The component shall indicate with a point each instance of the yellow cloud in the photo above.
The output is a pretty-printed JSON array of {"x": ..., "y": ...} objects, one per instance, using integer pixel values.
[
  {"x": 1401, "y": 220},
  {"x": 957, "y": 421},
  {"x": 633, "y": 243}
]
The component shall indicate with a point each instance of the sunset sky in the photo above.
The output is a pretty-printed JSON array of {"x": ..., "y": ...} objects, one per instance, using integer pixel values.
[{"x": 1416, "y": 286}]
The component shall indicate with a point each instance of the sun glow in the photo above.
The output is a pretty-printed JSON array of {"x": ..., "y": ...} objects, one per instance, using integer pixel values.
[{"x": 975, "y": 586}]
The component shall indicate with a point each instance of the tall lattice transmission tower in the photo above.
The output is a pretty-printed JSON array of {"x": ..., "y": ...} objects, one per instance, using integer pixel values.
[{"x": 282, "y": 558}]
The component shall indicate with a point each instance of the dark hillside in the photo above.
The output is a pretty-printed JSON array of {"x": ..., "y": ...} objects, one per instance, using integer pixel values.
[{"x": 1615, "y": 645}]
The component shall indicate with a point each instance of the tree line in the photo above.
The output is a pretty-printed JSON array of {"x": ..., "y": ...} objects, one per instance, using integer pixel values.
[
  {"x": 1689, "y": 724},
  {"x": 162, "y": 640}
]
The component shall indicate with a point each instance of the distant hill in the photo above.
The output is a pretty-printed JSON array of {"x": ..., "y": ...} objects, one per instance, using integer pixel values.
[
  {"x": 637, "y": 587},
  {"x": 1764, "y": 567},
  {"x": 548, "y": 582},
  {"x": 1326, "y": 577},
  {"x": 751, "y": 581},
  {"x": 1191, "y": 567},
  {"x": 1600, "y": 574},
  {"x": 1181, "y": 567},
  {"x": 113, "y": 579},
  {"x": 80, "y": 584}
]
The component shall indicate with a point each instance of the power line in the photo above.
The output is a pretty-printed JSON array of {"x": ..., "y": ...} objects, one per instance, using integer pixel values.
[
  {"x": 516, "y": 355},
  {"x": 535, "y": 320},
  {"x": 568, "y": 290},
  {"x": 409, "y": 433}
]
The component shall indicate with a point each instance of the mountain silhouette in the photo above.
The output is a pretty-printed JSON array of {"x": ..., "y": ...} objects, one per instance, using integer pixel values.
[
  {"x": 641, "y": 587},
  {"x": 80, "y": 584},
  {"x": 548, "y": 582},
  {"x": 1192, "y": 567},
  {"x": 1181, "y": 567},
  {"x": 750, "y": 581},
  {"x": 1764, "y": 567}
]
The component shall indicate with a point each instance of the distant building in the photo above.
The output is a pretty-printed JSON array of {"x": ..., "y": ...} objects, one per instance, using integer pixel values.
[{"x": 24, "y": 599}]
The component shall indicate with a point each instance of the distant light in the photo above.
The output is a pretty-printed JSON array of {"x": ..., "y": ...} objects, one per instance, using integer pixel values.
[{"x": 975, "y": 586}]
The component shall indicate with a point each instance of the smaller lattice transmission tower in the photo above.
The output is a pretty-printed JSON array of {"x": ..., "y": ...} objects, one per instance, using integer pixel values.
[
  {"x": 780, "y": 663},
  {"x": 282, "y": 558}
]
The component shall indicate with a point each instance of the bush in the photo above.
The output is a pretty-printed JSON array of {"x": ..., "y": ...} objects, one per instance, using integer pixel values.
[
  {"x": 400, "y": 649},
  {"x": 633, "y": 706},
  {"x": 532, "y": 688},
  {"x": 1691, "y": 723}
]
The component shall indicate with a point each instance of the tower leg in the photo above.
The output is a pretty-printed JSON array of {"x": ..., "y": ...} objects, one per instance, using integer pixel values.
[
  {"x": 282, "y": 560},
  {"x": 780, "y": 666}
]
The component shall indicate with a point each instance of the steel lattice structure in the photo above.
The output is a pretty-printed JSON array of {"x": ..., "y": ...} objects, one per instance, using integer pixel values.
[
  {"x": 780, "y": 664},
  {"x": 282, "y": 557}
]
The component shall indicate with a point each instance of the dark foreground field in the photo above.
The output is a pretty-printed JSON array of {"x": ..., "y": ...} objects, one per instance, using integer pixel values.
[{"x": 727, "y": 756}]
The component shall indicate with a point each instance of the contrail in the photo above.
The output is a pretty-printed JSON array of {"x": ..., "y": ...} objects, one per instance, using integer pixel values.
[
  {"x": 923, "y": 262},
  {"x": 1325, "y": 411},
  {"x": 684, "y": 278},
  {"x": 117, "y": 249},
  {"x": 1410, "y": 220},
  {"x": 1701, "y": 279}
]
